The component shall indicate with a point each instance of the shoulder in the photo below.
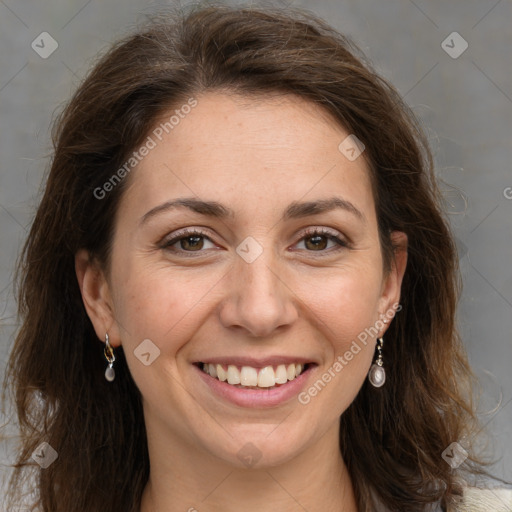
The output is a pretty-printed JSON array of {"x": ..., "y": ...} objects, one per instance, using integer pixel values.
[{"x": 484, "y": 500}]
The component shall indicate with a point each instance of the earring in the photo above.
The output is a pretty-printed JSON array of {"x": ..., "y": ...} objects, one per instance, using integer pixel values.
[
  {"x": 110, "y": 374},
  {"x": 377, "y": 374}
]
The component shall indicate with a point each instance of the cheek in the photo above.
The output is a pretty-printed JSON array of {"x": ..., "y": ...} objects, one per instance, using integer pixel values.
[
  {"x": 160, "y": 305},
  {"x": 346, "y": 302},
  {"x": 155, "y": 314},
  {"x": 346, "y": 310},
  {"x": 345, "y": 307}
]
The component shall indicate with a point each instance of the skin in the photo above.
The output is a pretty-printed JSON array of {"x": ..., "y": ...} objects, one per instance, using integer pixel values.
[{"x": 255, "y": 156}]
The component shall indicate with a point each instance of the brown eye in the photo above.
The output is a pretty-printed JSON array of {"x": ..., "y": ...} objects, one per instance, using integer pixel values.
[
  {"x": 188, "y": 241},
  {"x": 191, "y": 243},
  {"x": 316, "y": 242}
]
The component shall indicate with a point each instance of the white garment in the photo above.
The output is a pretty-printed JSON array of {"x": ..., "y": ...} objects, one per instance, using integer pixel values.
[
  {"x": 485, "y": 500},
  {"x": 474, "y": 500}
]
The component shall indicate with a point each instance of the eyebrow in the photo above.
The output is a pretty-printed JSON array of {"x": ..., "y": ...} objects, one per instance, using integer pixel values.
[{"x": 295, "y": 210}]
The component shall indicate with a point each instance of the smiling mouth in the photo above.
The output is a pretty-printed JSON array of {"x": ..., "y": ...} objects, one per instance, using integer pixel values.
[{"x": 248, "y": 377}]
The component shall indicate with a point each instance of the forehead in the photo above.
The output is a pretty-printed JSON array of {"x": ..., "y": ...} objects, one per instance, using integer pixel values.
[{"x": 271, "y": 149}]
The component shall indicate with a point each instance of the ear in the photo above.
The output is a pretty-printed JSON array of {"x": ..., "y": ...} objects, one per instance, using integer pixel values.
[
  {"x": 392, "y": 282},
  {"x": 96, "y": 296}
]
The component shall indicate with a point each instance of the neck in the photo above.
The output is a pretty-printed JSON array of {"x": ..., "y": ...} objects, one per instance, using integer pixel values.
[{"x": 183, "y": 479}]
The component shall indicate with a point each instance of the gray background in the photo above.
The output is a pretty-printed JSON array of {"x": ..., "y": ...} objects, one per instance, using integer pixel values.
[{"x": 465, "y": 104}]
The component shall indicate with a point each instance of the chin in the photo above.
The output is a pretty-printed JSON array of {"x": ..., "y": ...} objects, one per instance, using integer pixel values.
[{"x": 259, "y": 446}]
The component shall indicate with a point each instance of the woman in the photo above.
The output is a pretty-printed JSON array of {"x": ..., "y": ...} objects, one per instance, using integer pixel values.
[{"x": 239, "y": 288}]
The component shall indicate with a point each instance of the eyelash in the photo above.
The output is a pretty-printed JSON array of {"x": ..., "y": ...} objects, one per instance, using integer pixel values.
[{"x": 308, "y": 233}]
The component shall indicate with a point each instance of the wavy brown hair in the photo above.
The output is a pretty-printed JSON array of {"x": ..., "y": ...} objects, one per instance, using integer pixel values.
[{"x": 391, "y": 438}]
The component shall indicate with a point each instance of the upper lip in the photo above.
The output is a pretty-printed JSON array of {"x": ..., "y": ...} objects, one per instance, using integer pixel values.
[{"x": 256, "y": 362}]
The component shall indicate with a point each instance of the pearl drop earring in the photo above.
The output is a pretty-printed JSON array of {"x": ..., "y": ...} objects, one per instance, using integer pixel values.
[{"x": 377, "y": 374}]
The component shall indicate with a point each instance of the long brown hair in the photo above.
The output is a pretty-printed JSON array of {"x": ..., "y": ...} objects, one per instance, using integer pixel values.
[{"x": 392, "y": 438}]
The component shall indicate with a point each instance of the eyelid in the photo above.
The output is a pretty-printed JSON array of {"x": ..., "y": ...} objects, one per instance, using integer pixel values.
[{"x": 320, "y": 230}]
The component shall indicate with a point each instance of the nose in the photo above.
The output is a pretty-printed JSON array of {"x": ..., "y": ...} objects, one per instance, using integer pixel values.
[{"x": 258, "y": 299}]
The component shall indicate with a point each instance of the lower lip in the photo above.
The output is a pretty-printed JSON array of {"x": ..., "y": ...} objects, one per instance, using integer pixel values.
[{"x": 257, "y": 397}]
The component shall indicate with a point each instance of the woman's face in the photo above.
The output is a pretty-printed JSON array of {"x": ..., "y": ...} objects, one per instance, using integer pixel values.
[{"x": 275, "y": 262}]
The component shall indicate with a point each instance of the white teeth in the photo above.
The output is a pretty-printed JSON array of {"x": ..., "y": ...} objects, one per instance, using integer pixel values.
[
  {"x": 233, "y": 375},
  {"x": 212, "y": 370},
  {"x": 252, "y": 377},
  {"x": 266, "y": 377},
  {"x": 221, "y": 373},
  {"x": 248, "y": 376},
  {"x": 281, "y": 375}
]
